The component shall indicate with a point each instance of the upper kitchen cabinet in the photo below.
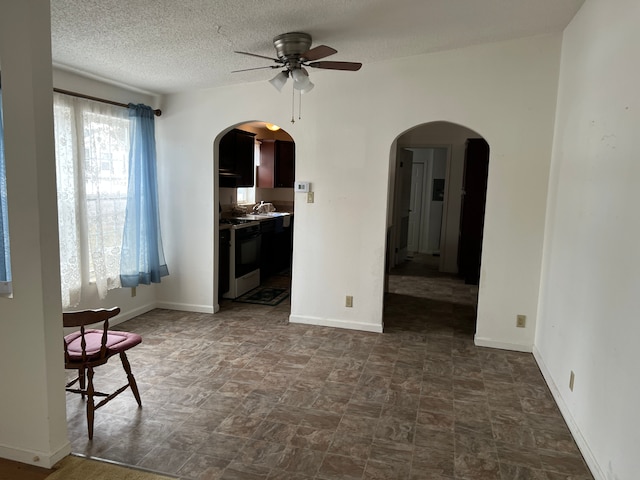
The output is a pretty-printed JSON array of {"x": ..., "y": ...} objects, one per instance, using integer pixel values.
[
  {"x": 237, "y": 163},
  {"x": 277, "y": 164}
]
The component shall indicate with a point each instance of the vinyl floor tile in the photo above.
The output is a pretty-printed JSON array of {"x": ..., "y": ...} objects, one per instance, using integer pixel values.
[{"x": 243, "y": 394}]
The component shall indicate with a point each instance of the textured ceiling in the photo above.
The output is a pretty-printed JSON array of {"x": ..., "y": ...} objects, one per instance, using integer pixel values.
[{"x": 165, "y": 46}]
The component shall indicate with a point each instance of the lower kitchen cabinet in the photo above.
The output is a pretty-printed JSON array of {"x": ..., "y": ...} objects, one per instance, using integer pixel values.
[
  {"x": 267, "y": 247},
  {"x": 276, "y": 248}
]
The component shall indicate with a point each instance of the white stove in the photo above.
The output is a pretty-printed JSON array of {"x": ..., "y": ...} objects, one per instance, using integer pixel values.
[{"x": 244, "y": 267}]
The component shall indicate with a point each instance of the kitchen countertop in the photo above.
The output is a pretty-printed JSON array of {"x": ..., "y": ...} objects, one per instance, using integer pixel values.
[{"x": 264, "y": 216}]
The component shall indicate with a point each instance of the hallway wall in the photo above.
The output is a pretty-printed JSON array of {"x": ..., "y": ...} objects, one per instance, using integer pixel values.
[{"x": 588, "y": 320}]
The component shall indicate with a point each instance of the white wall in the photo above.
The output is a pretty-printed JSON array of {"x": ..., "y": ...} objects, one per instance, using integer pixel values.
[
  {"x": 32, "y": 403},
  {"x": 504, "y": 91},
  {"x": 588, "y": 316}
]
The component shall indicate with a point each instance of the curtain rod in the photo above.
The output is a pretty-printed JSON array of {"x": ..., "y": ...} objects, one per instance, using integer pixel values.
[{"x": 158, "y": 112}]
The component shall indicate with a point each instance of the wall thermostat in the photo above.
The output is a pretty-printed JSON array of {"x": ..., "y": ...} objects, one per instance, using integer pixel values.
[{"x": 301, "y": 187}]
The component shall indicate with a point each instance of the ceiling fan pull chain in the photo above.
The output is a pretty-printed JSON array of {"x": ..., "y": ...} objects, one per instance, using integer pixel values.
[
  {"x": 293, "y": 103},
  {"x": 299, "y": 105}
]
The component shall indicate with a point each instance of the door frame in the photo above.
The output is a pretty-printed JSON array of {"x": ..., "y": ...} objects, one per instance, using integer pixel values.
[{"x": 445, "y": 206}]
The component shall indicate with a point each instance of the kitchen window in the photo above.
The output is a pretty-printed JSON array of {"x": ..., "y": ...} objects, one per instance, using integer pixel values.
[{"x": 247, "y": 195}]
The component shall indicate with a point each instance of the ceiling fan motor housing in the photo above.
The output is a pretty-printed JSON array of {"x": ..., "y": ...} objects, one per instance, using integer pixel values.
[{"x": 290, "y": 46}]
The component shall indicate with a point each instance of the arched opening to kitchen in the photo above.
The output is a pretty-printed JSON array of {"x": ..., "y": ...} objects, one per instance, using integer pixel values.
[{"x": 256, "y": 172}]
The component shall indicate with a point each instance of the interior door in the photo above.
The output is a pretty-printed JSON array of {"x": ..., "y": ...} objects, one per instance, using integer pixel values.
[
  {"x": 476, "y": 170},
  {"x": 404, "y": 172},
  {"x": 415, "y": 206}
]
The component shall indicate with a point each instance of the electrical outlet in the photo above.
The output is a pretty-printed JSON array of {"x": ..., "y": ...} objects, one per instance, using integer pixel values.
[
  {"x": 572, "y": 379},
  {"x": 310, "y": 197},
  {"x": 521, "y": 321},
  {"x": 349, "y": 301}
]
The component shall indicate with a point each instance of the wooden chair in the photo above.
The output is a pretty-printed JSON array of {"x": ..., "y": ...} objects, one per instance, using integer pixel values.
[{"x": 89, "y": 348}]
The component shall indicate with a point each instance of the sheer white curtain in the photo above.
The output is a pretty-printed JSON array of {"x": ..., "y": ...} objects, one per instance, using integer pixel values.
[{"x": 92, "y": 151}]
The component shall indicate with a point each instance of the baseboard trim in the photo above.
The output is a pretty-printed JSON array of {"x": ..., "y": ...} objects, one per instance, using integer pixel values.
[
  {"x": 581, "y": 442},
  {"x": 487, "y": 342},
  {"x": 33, "y": 457},
  {"x": 128, "y": 315},
  {"x": 185, "y": 307},
  {"x": 330, "y": 322}
]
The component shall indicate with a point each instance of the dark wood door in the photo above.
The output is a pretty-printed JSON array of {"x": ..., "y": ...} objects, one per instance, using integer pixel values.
[{"x": 476, "y": 170}]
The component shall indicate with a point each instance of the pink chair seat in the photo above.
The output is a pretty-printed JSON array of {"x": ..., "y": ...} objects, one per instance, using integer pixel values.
[{"x": 116, "y": 342}]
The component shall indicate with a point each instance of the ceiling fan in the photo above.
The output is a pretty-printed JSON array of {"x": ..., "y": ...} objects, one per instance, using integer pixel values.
[{"x": 294, "y": 54}]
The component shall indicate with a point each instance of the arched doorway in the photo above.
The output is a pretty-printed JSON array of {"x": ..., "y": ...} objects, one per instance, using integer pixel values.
[
  {"x": 436, "y": 217},
  {"x": 254, "y": 220}
]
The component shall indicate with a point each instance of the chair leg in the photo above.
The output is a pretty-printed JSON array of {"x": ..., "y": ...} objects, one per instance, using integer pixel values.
[
  {"x": 81, "y": 379},
  {"x": 130, "y": 377},
  {"x": 90, "y": 403}
]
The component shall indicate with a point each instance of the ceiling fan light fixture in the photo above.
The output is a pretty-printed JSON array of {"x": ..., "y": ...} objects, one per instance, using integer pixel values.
[
  {"x": 272, "y": 127},
  {"x": 308, "y": 87},
  {"x": 279, "y": 80},
  {"x": 300, "y": 79}
]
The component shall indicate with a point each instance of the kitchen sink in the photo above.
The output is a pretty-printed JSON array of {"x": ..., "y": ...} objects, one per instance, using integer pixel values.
[{"x": 272, "y": 214}]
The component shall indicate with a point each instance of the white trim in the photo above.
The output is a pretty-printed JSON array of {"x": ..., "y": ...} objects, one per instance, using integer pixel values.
[
  {"x": 185, "y": 307},
  {"x": 33, "y": 457},
  {"x": 488, "y": 342},
  {"x": 331, "y": 322},
  {"x": 582, "y": 443},
  {"x": 128, "y": 315}
]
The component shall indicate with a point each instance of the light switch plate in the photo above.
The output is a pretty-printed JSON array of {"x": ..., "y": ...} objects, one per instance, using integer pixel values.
[{"x": 301, "y": 187}]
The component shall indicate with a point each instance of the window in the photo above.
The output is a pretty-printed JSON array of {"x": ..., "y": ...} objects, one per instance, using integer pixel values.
[
  {"x": 92, "y": 157},
  {"x": 5, "y": 257},
  {"x": 245, "y": 195}
]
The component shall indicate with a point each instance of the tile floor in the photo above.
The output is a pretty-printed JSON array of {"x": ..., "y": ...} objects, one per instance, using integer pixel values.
[{"x": 244, "y": 395}]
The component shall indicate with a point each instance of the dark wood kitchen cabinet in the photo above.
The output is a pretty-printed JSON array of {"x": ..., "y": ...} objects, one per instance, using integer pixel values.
[
  {"x": 277, "y": 164},
  {"x": 236, "y": 156},
  {"x": 276, "y": 247}
]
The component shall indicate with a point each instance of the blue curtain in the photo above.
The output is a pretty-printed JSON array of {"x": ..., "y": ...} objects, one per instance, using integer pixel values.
[
  {"x": 142, "y": 259},
  {"x": 5, "y": 263}
]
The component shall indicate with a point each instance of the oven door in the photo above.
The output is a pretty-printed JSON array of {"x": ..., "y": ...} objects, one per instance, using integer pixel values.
[{"x": 247, "y": 252}]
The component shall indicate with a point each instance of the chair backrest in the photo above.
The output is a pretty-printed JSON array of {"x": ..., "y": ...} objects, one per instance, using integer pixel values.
[{"x": 83, "y": 318}]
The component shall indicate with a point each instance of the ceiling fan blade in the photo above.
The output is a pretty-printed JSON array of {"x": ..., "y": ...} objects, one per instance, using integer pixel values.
[
  {"x": 350, "y": 66},
  {"x": 259, "y": 56},
  {"x": 256, "y": 68},
  {"x": 316, "y": 53}
]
